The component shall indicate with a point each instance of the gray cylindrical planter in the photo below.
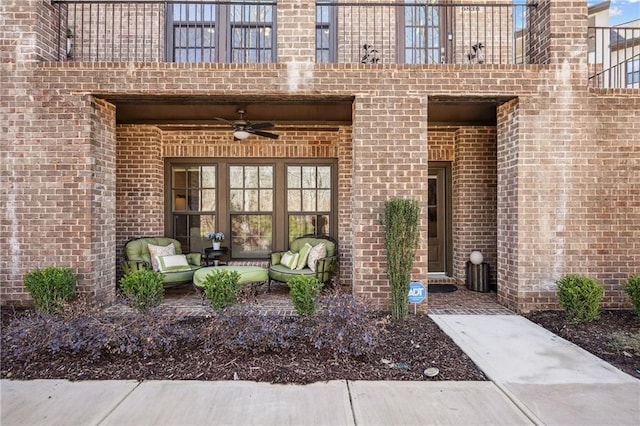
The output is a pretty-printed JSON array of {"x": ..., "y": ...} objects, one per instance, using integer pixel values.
[{"x": 478, "y": 277}]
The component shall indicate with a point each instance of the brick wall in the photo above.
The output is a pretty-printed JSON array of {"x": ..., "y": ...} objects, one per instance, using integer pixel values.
[
  {"x": 567, "y": 158},
  {"x": 382, "y": 170},
  {"x": 474, "y": 198},
  {"x": 142, "y": 150},
  {"x": 99, "y": 281},
  {"x": 507, "y": 198}
]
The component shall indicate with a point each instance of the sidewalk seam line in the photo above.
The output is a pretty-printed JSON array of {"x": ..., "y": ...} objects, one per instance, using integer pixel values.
[
  {"x": 119, "y": 403},
  {"x": 518, "y": 403},
  {"x": 353, "y": 413}
]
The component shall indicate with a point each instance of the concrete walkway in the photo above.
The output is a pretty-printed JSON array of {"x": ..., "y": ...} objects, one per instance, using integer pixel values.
[
  {"x": 552, "y": 380},
  {"x": 536, "y": 378}
]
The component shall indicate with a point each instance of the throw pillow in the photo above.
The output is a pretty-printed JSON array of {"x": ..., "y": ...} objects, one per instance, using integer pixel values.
[
  {"x": 173, "y": 263},
  {"x": 289, "y": 259},
  {"x": 157, "y": 251},
  {"x": 303, "y": 255},
  {"x": 317, "y": 252}
]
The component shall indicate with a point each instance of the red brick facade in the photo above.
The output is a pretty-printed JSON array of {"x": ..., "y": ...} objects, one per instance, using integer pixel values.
[{"x": 552, "y": 189}]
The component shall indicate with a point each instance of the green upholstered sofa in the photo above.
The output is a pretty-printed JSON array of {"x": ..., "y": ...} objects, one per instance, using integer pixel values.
[
  {"x": 136, "y": 256},
  {"x": 326, "y": 267}
]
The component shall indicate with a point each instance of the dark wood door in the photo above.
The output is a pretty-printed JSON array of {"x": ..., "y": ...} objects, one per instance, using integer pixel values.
[{"x": 437, "y": 222}]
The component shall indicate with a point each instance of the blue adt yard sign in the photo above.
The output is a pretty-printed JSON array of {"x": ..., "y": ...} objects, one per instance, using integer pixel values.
[{"x": 417, "y": 292}]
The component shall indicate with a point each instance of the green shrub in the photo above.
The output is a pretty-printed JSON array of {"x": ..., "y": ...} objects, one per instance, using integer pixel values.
[
  {"x": 305, "y": 290},
  {"x": 632, "y": 288},
  {"x": 580, "y": 297},
  {"x": 401, "y": 220},
  {"x": 221, "y": 288},
  {"x": 50, "y": 287},
  {"x": 143, "y": 288}
]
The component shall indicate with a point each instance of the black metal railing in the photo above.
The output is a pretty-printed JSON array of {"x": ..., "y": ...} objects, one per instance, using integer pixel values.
[
  {"x": 424, "y": 33},
  {"x": 245, "y": 31},
  {"x": 166, "y": 31},
  {"x": 614, "y": 57}
]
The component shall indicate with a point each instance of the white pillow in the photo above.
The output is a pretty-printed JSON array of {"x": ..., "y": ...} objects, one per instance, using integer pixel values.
[
  {"x": 173, "y": 263},
  {"x": 317, "y": 252},
  {"x": 304, "y": 254},
  {"x": 157, "y": 251},
  {"x": 289, "y": 259}
]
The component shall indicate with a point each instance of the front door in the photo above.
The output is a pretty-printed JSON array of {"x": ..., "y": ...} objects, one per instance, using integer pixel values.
[{"x": 437, "y": 213}]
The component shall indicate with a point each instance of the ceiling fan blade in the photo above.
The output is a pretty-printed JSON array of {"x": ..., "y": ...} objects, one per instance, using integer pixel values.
[
  {"x": 231, "y": 123},
  {"x": 264, "y": 134},
  {"x": 263, "y": 125}
]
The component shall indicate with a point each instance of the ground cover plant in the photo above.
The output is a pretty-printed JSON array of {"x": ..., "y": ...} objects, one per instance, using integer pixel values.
[
  {"x": 338, "y": 342},
  {"x": 343, "y": 340}
]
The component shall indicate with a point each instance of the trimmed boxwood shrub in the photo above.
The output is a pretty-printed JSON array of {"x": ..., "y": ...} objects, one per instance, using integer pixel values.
[
  {"x": 305, "y": 290},
  {"x": 143, "y": 289},
  {"x": 580, "y": 297},
  {"x": 221, "y": 288},
  {"x": 50, "y": 287},
  {"x": 632, "y": 288}
]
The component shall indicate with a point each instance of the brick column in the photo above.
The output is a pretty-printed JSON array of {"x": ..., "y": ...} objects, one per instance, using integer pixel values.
[
  {"x": 296, "y": 31},
  {"x": 559, "y": 32},
  {"x": 390, "y": 161},
  {"x": 507, "y": 192}
]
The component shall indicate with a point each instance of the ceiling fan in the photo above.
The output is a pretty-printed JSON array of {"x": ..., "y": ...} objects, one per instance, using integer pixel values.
[{"x": 242, "y": 128}]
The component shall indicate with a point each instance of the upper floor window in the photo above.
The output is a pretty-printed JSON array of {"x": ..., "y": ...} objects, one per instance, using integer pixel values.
[
  {"x": 421, "y": 36},
  {"x": 633, "y": 72},
  {"x": 238, "y": 32},
  {"x": 326, "y": 20}
]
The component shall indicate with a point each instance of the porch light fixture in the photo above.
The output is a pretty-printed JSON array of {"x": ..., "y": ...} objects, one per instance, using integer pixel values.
[
  {"x": 476, "y": 257},
  {"x": 450, "y": 36},
  {"x": 241, "y": 134}
]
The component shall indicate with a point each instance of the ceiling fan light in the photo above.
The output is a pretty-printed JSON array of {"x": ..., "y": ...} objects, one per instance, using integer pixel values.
[{"x": 241, "y": 134}]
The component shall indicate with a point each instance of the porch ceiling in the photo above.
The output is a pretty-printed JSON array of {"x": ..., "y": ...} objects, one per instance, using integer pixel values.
[{"x": 201, "y": 110}]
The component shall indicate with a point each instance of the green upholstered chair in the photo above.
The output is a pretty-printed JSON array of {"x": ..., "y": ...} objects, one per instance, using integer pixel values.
[
  {"x": 326, "y": 267},
  {"x": 136, "y": 256}
]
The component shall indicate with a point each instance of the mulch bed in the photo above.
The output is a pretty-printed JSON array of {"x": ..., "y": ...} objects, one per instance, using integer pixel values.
[{"x": 406, "y": 349}]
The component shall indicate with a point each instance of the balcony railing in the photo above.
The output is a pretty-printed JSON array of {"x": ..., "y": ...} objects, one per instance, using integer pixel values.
[
  {"x": 614, "y": 57},
  {"x": 423, "y": 33},
  {"x": 245, "y": 31}
]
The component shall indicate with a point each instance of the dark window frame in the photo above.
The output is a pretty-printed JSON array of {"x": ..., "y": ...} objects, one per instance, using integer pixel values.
[
  {"x": 445, "y": 22},
  {"x": 280, "y": 213},
  {"x": 221, "y": 50},
  {"x": 330, "y": 26}
]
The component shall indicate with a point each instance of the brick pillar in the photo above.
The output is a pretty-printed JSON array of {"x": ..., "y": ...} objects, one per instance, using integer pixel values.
[
  {"x": 101, "y": 271},
  {"x": 507, "y": 217},
  {"x": 390, "y": 161},
  {"x": 559, "y": 32},
  {"x": 296, "y": 31}
]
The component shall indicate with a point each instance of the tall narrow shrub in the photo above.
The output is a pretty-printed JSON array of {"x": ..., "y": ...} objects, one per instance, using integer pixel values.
[{"x": 401, "y": 218}]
